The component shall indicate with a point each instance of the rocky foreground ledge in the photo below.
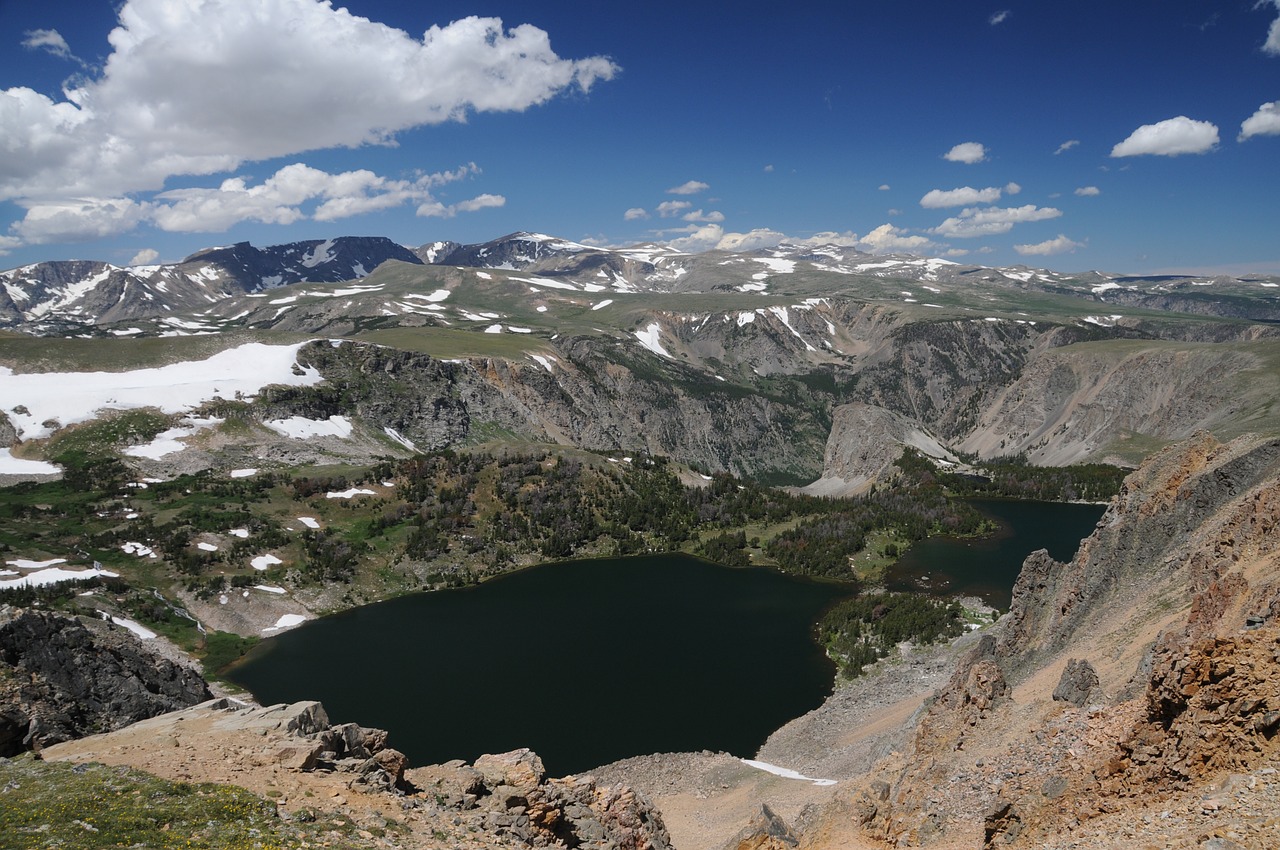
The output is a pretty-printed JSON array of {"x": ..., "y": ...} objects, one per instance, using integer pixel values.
[{"x": 293, "y": 755}]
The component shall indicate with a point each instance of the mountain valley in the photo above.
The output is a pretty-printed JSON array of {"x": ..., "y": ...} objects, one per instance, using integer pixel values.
[{"x": 230, "y": 445}]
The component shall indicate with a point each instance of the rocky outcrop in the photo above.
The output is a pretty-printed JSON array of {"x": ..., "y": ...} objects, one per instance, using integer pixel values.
[
  {"x": 766, "y": 831},
  {"x": 1078, "y": 684},
  {"x": 502, "y": 800},
  {"x": 509, "y": 794},
  {"x": 61, "y": 680},
  {"x": 865, "y": 442}
]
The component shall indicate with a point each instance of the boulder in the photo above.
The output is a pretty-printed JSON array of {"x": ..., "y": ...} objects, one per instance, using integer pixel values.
[{"x": 1078, "y": 684}]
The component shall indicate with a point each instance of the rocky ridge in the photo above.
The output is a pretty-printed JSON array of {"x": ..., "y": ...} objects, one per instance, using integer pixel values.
[
  {"x": 295, "y": 756},
  {"x": 1138, "y": 679},
  {"x": 62, "y": 678}
]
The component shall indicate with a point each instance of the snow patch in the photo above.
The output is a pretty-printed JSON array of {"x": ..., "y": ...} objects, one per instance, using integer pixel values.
[
  {"x": 55, "y": 575},
  {"x": 349, "y": 494},
  {"x": 650, "y": 338},
  {"x": 784, "y": 772},
  {"x": 70, "y": 397},
  {"x": 264, "y": 562},
  {"x": 10, "y": 465},
  {"x": 309, "y": 522},
  {"x": 302, "y": 428},
  {"x": 287, "y": 621}
]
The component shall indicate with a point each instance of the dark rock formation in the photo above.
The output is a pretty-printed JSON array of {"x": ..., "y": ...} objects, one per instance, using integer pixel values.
[
  {"x": 60, "y": 680},
  {"x": 1079, "y": 683}
]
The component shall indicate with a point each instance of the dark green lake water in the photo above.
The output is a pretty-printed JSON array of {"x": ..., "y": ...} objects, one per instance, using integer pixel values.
[
  {"x": 988, "y": 568},
  {"x": 583, "y": 661},
  {"x": 587, "y": 662}
]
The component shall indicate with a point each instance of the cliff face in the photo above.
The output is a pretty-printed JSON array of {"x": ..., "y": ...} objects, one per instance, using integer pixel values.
[
  {"x": 61, "y": 680},
  {"x": 1133, "y": 680}
]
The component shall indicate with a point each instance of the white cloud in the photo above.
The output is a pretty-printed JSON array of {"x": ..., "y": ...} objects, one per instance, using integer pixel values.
[
  {"x": 965, "y": 195},
  {"x": 761, "y": 237},
  {"x": 1051, "y": 246},
  {"x": 709, "y": 237},
  {"x": 435, "y": 209},
  {"x": 78, "y": 220},
  {"x": 667, "y": 209},
  {"x": 635, "y": 214},
  {"x": 1012, "y": 188},
  {"x": 1272, "y": 44},
  {"x": 282, "y": 198},
  {"x": 692, "y": 187},
  {"x": 1264, "y": 122},
  {"x": 999, "y": 17},
  {"x": 1088, "y": 191},
  {"x": 698, "y": 215},
  {"x": 486, "y": 201},
  {"x": 1170, "y": 137},
  {"x": 989, "y": 221},
  {"x": 8, "y": 243},
  {"x": 146, "y": 255},
  {"x": 884, "y": 187},
  {"x": 51, "y": 41},
  {"x": 768, "y": 168},
  {"x": 886, "y": 239},
  {"x": 848, "y": 239},
  {"x": 967, "y": 152},
  {"x": 199, "y": 88},
  {"x": 1066, "y": 146}
]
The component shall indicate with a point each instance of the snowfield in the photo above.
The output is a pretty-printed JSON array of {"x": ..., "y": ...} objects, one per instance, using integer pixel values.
[{"x": 69, "y": 397}]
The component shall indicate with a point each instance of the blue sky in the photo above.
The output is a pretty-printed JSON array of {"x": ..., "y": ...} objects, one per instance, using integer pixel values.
[{"x": 1133, "y": 136}]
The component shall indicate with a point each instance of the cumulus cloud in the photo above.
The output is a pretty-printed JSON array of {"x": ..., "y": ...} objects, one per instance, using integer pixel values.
[
  {"x": 1012, "y": 188},
  {"x": 78, "y": 220},
  {"x": 709, "y": 237},
  {"x": 692, "y": 187},
  {"x": 667, "y": 209},
  {"x": 1059, "y": 245},
  {"x": 146, "y": 255},
  {"x": 709, "y": 217},
  {"x": 848, "y": 239},
  {"x": 635, "y": 214},
  {"x": 1066, "y": 146},
  {"x": 999, "y": 17},
  {"x": 990, "y": 221},
  {"x": 884, "y": 187},
  {"x": 967, "y": 152},
  {"x": 768, "y": 168},
  {"x": 283, "y": 198},
  {"x": 263, "y": 80},
  {"x": 1264, "y": 122},
  {"x": 8, "y": 243},
  {"x": 1088, "y": 191},
  {"x": 1272, "y": 44},
  {"x": 964, "y": 196},
  {"x": 887, "y": 239},
  {"x": 1171, "y": 137}
]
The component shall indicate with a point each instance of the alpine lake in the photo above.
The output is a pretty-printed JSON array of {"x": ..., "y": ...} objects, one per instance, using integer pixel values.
[{"x": 591, "y": 661}]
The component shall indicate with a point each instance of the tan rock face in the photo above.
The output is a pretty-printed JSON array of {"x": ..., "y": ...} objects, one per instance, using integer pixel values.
[{"x": 1173, "y": 729}]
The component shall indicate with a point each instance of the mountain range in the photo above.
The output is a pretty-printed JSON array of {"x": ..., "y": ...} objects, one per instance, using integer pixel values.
[{"x": 52, "y": 297}]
